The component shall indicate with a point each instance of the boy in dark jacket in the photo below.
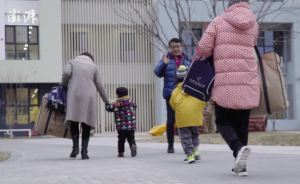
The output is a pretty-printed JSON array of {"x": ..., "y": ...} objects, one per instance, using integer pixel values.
[{"x": 125, "y": 117}]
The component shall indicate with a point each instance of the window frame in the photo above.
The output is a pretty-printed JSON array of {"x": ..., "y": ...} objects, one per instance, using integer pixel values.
[
  {"x": 21, "y": 108},
  {"x": 193, "y": 44},
  {"x": 15, "y": 44},
  {"x": 79, "y": 41},
  {"x": 274, "y": 46},
  {"x": 128, "y": 44}
]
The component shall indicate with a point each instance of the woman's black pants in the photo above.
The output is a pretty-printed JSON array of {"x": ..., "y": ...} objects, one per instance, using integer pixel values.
[{"x": 233, "y": 126}]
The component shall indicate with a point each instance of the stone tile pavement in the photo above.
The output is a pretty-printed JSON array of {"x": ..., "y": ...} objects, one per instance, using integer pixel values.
[{"x": 41, "y": 161}]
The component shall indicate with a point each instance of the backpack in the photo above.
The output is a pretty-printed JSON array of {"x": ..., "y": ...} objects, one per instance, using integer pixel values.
[
  {"x": 199, "y": 79},
  {"x": 57, "y": 100}
]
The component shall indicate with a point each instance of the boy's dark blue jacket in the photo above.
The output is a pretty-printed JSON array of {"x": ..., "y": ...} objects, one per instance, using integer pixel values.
[
  {"x": 125, "y": 117},
  {"x": 168, "y": 71}
]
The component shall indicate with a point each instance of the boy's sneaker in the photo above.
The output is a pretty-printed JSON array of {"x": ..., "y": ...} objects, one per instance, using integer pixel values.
[
  {"x": 190, "y": 159},
  {"x": 197, "y": 154},
  {"x": 241, "y": 159},
  {"x": 243, "y": 173},
  {"x": 133, "y": 150},
  {"x": 121, "y": 155}
]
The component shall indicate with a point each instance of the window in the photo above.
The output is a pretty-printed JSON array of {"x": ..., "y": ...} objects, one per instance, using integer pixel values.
[
  {"x": 191, "y": 45},
  {"x": 275, "y": 41},
  {"x": 21, "y": 43},
  {"x": 127, "y": 44},
  {"x": 79, "y": 42},
  {"x": 22, "y": 105}
]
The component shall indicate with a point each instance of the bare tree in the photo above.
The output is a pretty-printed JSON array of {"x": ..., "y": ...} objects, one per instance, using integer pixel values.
[
  {"x": 212, "y": 7},
  {"x": 143, "y": 19},
  {"x": 146, "y": 22},
  {"x": 11, "y": 100},
  {"x": 262, "y": 10},
  {"x": 273, "y": 118}
]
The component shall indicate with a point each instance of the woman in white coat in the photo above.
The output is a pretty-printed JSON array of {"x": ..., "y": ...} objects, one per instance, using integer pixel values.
[{"x": 81, "y": 76}]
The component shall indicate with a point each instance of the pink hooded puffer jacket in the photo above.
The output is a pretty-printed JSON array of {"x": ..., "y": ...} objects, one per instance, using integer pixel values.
[{"x": 231, "y": 38}]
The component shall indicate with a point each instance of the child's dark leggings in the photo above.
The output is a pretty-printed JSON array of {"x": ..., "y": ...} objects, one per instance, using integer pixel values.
[{"x": 122, "y": 135}]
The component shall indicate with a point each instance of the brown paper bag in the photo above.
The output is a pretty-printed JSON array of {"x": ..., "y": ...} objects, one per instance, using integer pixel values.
[
  {"x": 273, "y": 97},
  {"x": 50, "y": 122}
]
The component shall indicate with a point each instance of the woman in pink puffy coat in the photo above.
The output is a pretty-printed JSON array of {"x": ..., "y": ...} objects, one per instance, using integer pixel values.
[{"x": 231, "y": 38}]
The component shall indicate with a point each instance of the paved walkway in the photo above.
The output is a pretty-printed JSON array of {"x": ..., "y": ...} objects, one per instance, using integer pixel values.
[{"x": 39, "y": 161}]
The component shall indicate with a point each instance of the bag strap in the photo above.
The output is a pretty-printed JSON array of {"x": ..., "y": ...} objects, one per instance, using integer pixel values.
[
  {"x": 66, "y": 132},
  {"x": 209, "y": 60},
  {"x": 263, "y": 78},
  {"x": 47, "y": 123}
]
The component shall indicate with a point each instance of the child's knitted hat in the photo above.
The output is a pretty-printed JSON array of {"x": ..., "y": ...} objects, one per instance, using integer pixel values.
[
  {"x": 181, "y": 72},
  {"x": 122, "y": 91}
]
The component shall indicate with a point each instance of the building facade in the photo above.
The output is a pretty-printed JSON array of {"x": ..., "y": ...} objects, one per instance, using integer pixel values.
[
  {"x": 124, "y": 57},
  {"x": 30, "y": 58},
  {"x": 38, "y": 37}
]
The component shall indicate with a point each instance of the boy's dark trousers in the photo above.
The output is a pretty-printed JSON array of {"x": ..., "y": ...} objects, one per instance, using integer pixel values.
[
  {"x": 233, "y": 126},
  {"x": 170, "y": 122},
  {"x": 122, "y": 135}
]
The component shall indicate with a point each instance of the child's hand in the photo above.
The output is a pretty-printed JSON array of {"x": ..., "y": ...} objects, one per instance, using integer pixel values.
[{"x": 111, "y": 107}]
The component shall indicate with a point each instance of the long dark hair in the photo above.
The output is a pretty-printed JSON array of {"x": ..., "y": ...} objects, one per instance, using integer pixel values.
[{"x": 89, "y": 55}]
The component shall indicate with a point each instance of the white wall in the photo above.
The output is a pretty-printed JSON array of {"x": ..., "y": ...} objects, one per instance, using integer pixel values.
[
  {"x": 2, "y": 30},
  {"x": 283, "y": 125},
  {"x": 102, "y": 31},
  {"x": 160, "y": 102},
  {"x": 49, "y": 68},
  {"x": 21, "y": 7},
  {"x": 105, "y": 10},
  {"x": 296, "y": 69}
]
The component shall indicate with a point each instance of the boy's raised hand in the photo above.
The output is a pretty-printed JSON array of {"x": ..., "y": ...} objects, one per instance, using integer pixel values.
[{"x": 166, "y": 59}]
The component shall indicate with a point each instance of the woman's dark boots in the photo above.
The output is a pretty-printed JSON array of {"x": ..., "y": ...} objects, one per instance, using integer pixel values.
[
  {"x": 84, "y": 146},
  {"x": 75, "y": 151}
]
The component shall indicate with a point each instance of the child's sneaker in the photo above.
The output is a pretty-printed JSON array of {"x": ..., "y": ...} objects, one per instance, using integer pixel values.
[
  {"x": 121, "y": 155},
  {"x": 190, "y": 159},
  {"x": 197, "y": 154},
  {"x": 133, "y": 150}
]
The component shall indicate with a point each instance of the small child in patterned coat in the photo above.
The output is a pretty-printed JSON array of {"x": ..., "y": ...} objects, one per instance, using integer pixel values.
[{"x": 125, "y": 117}]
